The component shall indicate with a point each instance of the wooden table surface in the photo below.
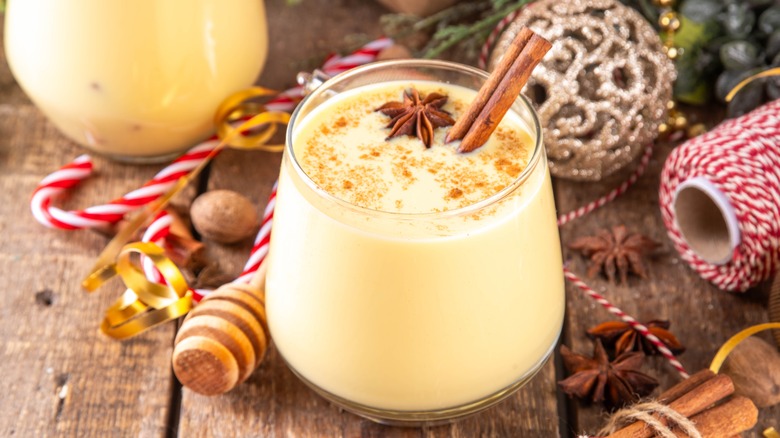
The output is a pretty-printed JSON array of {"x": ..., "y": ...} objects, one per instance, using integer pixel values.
[{"x": 62, "y": 377}]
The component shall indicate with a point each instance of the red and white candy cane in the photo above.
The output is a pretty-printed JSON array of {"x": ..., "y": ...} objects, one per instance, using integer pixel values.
[
  {"x": 259, "y": 248},
  {"x": 156, "y": 233},
  {"x": 262, "y": 241},
  {"x": 104, "y": 215},
  {"x": 100, "y": 216},
  {"x": 334, "y": 64}
]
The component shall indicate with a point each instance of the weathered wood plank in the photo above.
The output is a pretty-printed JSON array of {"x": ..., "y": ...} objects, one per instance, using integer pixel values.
[
  {"x": 702, "y": 316},
  {"x": 67, "y": 379},
  {"x": 64, "y": 377}
]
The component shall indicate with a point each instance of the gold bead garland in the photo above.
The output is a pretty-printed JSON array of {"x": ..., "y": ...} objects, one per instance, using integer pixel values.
[
  {"x": 670, "y": 23},
  {"x": 676, "y": 121}
]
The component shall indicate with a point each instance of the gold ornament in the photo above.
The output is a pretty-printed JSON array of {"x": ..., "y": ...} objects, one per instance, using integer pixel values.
[{"x": 601, "y": 92}]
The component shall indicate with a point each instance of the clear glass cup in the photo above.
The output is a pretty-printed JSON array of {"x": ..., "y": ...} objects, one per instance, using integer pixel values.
[
  {"x": 414, "y": 318},
  {"x": 134, "y": 80}
]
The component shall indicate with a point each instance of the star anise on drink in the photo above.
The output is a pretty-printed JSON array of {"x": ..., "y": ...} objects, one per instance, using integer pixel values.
[
  {"x": 417, "y": 116},
  {"x": 616, "y": 252},
  {"x": 624, "y": 338},
  {"x": 616, "y": 383}
]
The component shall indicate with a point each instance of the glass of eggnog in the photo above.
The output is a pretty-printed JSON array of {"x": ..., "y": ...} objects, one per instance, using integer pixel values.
[
  {"x": 409, "y": 283},
  {"x": 134, "y": 80}
]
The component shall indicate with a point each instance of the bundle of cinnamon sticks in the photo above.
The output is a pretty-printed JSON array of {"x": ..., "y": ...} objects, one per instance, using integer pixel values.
[{"x": 706, "y": 399}]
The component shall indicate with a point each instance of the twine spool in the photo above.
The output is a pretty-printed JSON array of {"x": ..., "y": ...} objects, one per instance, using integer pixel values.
[{"x": 720, "y": 200}]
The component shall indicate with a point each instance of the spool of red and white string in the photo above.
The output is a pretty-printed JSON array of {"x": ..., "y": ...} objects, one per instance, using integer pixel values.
[{"x": 720, "y": 200}]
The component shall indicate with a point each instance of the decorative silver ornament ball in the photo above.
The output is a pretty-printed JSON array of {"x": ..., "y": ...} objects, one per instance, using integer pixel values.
[{"x": 601, "y": 91}]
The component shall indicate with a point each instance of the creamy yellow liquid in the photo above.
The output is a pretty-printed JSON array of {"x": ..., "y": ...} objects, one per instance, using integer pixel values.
[
  {"x": 134, "y": 78},
  {"x": 395, "y": 309}
]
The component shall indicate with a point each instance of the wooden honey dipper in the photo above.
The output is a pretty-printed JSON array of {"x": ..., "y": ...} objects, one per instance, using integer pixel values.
[{"x": 224, "y": 338}]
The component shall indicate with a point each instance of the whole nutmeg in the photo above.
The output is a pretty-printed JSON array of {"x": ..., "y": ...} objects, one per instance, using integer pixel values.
[
  {"x": 223, "y": 216},
  {"x": 754, "y": 366}
]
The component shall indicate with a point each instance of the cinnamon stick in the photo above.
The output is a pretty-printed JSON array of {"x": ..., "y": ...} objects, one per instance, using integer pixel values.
[
  {"x": 685, "y": 386},
  {"x": 502, "y": 95},
  {"x": 726, "y": 420},
  {"x": 464, "y": 122},
  {"x": 689, "y": 404},
  {"x": 184, "y": 251},
  {"x": 181, "y": 245}
]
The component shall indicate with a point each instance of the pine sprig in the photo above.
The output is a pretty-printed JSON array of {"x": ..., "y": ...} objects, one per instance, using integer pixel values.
[
  {"x": 454, "y": 13},
  {"x": 448, "y": 35}
]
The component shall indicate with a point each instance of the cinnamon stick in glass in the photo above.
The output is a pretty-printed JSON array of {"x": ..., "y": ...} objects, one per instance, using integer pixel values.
[{"x": 500, "y": 91}]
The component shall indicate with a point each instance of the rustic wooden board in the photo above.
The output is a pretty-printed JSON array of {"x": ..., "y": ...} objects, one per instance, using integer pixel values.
[
  {"x": 67, "y": 379},
  {"x": 702, "y": 316}
]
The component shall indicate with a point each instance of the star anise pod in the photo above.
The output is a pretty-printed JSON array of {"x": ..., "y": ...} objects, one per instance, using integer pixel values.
[
  {"x": 615, "y": 252},
  {"x": 617, "y": 383},
  {"x": 417, "y": 116},
  {"x": 625, "y": 338}
]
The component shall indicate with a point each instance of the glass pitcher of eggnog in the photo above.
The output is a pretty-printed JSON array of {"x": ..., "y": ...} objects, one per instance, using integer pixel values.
[
  {"x": 412, "y": 284},
  {"x": 134, "y": 80}
]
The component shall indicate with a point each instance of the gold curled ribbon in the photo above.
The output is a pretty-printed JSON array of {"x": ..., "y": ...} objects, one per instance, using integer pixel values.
[
  {"x": 764, "y": 74},
  {"x": 239, "y": 106},
  {"x": 124, "y": 318},
  {"x": 729, "y": 346},
  {"x": 146, "y": 304}
]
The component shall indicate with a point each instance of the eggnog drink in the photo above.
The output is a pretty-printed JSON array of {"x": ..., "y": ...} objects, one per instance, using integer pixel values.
[
  {"x": 405, "y": 279},
  {"x": 134, "y": 79}
]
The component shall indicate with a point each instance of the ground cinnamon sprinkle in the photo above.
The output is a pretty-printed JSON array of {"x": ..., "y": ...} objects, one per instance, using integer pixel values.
[
  {"x": 348, "y": 155},
  {"x": 508, "y": 167},
  {"x": 455, "y": 193}
]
